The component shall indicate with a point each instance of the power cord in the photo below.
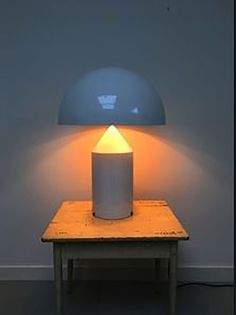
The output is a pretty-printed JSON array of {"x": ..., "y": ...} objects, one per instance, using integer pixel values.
[{"x": 207, "y": 284}]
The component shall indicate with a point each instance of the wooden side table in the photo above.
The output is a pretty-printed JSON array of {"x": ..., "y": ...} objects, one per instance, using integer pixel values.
[{"x": 152, "y": 232}]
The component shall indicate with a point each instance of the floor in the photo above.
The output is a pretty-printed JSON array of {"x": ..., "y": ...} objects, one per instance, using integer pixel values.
[{"x": 111, "y": 297}]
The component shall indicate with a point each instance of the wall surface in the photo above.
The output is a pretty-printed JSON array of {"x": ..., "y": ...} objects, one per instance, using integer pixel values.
[{"x": 184, "y": 50}]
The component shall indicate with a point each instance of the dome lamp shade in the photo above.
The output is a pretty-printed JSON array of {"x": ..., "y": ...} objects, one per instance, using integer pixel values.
[{"x": 111, "y": 96}]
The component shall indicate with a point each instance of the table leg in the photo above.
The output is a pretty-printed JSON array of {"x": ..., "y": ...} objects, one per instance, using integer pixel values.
[
  {"x": 58, "y": 276},
  {"x": 172, "y": 278},
  {"x": 157, "y": 274},
  {"x": 70, "y": 265}
]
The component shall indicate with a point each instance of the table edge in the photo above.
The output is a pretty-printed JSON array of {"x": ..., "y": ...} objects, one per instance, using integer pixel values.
[{"x": 105, "y": 239}]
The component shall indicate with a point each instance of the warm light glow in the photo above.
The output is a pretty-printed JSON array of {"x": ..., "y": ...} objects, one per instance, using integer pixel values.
[{"x": 112, "y": 142}]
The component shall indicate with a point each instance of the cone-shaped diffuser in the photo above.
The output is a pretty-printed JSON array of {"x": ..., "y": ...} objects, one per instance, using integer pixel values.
[{"x": 112, "y": 142}]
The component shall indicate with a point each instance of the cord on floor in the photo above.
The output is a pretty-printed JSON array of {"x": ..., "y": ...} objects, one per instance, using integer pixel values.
[{"x": 207, "y": 284}]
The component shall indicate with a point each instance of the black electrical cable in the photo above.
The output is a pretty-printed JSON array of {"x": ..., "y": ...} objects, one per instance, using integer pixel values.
[{"x": 207, "y": 284}]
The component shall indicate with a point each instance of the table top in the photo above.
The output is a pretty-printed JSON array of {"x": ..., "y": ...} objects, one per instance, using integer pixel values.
[{"x": 151, "y": 220}]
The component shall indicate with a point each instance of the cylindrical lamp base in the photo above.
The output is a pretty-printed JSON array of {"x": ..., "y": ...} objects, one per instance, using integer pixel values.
[{"x": 112, "y": 185}]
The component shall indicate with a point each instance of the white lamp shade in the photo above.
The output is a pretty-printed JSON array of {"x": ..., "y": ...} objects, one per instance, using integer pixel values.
[{"x": 111, "y": 96}]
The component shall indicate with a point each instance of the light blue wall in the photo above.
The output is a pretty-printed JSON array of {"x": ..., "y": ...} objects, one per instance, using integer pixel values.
[{"x": 186, "y": 52}]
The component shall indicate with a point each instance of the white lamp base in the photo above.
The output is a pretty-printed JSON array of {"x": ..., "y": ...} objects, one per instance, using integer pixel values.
[{"x": 112, "y": 185}]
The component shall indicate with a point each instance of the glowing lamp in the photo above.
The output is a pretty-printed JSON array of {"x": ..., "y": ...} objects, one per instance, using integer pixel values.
[
  {"x": 112, "y": 176},
  {"x": 112, "y": 96}
]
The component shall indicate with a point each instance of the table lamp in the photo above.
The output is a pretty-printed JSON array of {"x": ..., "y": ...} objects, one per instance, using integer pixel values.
[{"x": 112, "y": 96}]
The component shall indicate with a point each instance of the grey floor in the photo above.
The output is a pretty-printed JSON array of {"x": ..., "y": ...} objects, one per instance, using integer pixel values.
[{"x": 111, "y": 297}]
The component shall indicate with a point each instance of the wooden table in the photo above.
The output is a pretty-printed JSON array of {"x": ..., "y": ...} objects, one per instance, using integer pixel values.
[{"x": 152, "y": 232}]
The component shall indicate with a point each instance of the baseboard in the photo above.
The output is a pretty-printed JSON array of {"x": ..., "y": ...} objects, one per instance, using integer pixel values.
[{"x": 185, "y": 273}]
